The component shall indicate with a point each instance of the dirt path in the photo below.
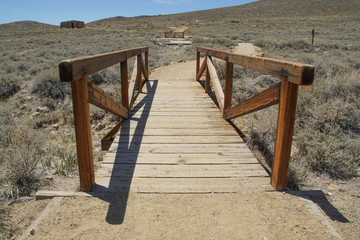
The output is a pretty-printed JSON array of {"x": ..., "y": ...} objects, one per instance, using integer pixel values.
[
  {"x": 255, "y": 214},
  {"x": 247, "y": 49}
]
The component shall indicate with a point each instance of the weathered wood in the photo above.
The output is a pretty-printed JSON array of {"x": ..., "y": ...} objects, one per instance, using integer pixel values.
[
  {"x": 143, "y": 69},
  {"x": 216, "y": 84},
  {"x": 284, "y": 133},
  {"x": 41, "y": 195},
  {"x": 202, "y": 69},
  {"x": 80, "y": 98},
  {"x": 182, "y": 185},
  {"x": 147, "y": 63},
  {"x": 228, "y": 85},
  {"x": 139, "y": 75},
  {"x": 207, "y": 81},
  {"x": 132, "y": 83},
  {"x": 182, "y": 171},
  {"x": 260, "y": 101},
  {"x": 125, "y": 85},
  {"x": 104, "y": 101},
  {"x": 298, "y": 73},
  {"x": 197, "y": 62},
  {"x": 107, "y": 140},
  {"x": 73, "y": 69}
]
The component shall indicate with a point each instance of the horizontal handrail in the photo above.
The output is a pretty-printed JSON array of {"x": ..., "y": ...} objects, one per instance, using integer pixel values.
[
  {"x": 291, "y": 74},
  {"x": 72, "y": 69},
  {"x": 298, "y": 73},
  {"x": 76, "y": 72}
]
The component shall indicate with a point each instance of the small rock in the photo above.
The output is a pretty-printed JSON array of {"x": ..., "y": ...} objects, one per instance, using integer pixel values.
[
  {"x": 57, "y": 218},
  {"x": 35, "y": 114},
  {"x": 49, "y": 177},
  {"x": 55, "y": 127},
  {"x": 329, "y": 193},
  {"x": 23, "y": 107},
  {"x": 333, "y": 187},
  {"x": 32, "y": 232},
  {"x": 42, "y": 109}
]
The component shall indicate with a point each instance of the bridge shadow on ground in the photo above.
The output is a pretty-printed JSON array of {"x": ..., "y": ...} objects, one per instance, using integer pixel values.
[{"x": 127, "y": 152}]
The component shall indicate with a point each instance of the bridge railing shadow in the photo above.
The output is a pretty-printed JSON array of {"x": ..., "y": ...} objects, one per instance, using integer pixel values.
[{"x": 127, "y": 153}]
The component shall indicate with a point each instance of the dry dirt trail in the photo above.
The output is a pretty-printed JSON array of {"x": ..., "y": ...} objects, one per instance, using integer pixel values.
[{"x": 248, "y": 214}]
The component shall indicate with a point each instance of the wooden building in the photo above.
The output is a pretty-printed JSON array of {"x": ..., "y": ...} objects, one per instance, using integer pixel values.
[{"x": 72, "y": 24}]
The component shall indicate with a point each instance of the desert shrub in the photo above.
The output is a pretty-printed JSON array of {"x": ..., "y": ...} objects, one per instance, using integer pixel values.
[
  {"x": 20, "y": 153},
  {"x": 328, "y": 151},
  {"x": 97, "y": 78},
  {"x": 7, "y": 89},
  {"x": 48, "y": 85}
]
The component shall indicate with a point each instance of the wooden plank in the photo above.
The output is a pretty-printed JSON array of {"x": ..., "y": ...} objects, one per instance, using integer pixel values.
[
  {"x": 182, "y": 185},
  {"x": 284, "y": 134},
  {"x": 79, "y": 89},
  {"x": 175, "y": 125},
  {"x": 180, "y": 148},
  {"x": 179, "y": 139},
  {"x": 298, "y": 73},
  {"x": 109, "y": 137},
  {"x": 125, "y": 86},
  {"x": 147, "y": 63},
  {"x": 183, "y": 132},
  {"x": 260, "y": 101},
  {"x": 44, "y": 214},
  {"x": 201, "y": 70},
  {"x": 41, "y": 195},
  {"x": 182, "y": 171},
  {"x": 228, "y": 85},
  {"x": 179, "y": 159},
  {"x": 73, "y": 69},
  {"x": 197, "y": 62},
  {"x": 216, "y": 84},
  {"x": 104, "y": 101},
  {"x": 207, "y": 81}
]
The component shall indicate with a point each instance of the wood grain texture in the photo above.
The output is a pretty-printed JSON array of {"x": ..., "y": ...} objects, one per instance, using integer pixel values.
[
  {"x": 298, "y": 73},
  {"x": 124, "y": 85},
  {"x": 260, "y": 101},
  {"x": 72, "y": 69},
  {"x": 104, "y": 101},
  {"x": 201, "y": 70},
  {"x": 284, "y": 134},
  {"x": 216, "y": 84},
  {"x": 132, "y": 84},
  {"x": 228, "y": 85},
  {"x": 107, "y": 140},
  {"x": 79, "y": 89}
]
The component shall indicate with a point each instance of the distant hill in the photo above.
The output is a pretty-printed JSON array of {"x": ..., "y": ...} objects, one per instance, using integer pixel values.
[
  {"x": 25, "y": 26},
  {"x": 260, "y": 10}
]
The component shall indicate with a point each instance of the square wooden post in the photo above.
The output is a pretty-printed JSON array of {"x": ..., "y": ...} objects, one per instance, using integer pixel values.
[
  {"x": 80, "y": 98},
  {"x": 228, "y": 85},
  {"x": 284, "y": 133},
  {"x": 139, "y": 74},
  {"x": 124, "y": 85},
  {"x": 147, "y": 62},
  {"x": 197, "y": 62}
]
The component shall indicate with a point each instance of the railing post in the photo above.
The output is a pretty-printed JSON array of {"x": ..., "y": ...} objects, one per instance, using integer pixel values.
[
  {"x": 284, "y": 133},
  {"x": 139, "y": 74},
  {"x": 197, "y": 62},
  {"x": 124, "y": 85},
  {"x": 207, "y": 79},
  {"x": 228, "y": 85},
  {"x": 80, "y": 98},
  {"x": 147, "y": 61}
]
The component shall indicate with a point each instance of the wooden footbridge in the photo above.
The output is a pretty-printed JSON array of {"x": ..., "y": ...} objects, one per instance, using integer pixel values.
[{"x": 172, "y": 137}]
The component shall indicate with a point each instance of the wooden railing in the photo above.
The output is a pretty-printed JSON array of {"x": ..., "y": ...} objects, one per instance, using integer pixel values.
[
  {"x": 76, "y": 72},
  {"x": 285, "y": 93}
]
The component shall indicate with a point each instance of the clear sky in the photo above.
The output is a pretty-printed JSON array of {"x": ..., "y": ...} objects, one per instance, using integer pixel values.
[{"x": 54, "y": 12}]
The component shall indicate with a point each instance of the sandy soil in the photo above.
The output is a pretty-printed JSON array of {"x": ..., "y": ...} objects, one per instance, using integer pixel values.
[{"x": 243, "y": 215}]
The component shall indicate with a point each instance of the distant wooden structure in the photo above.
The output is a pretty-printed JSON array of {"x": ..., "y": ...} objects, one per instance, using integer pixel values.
[
  {"x": 174, "y": 34},
  {"x": 72, "y": 24}
]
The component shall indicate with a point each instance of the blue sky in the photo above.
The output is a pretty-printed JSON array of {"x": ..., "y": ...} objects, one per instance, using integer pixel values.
[{"x": 53, "y": 12}]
